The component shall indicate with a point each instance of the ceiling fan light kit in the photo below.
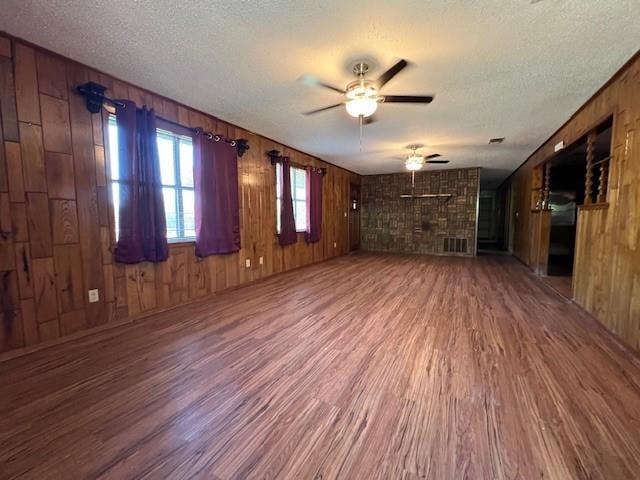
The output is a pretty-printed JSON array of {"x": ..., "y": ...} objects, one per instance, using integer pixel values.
[
  {"x": 414, "y": 162},
  {"x": 365, "y": 106}
]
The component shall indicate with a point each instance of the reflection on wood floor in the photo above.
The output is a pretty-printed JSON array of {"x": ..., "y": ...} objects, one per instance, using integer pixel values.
[{"x": 366, "y": 366}]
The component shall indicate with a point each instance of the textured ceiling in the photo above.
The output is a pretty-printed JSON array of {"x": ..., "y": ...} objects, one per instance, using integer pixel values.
[{"x": 512, "y": 68}]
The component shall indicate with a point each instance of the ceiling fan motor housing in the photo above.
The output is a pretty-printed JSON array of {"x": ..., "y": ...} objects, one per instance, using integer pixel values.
[{"x": 361, "y": 89}]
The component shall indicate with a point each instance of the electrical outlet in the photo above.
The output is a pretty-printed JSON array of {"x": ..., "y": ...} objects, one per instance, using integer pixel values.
[
  {"x": 335, "y": 245},
  {"x": 261, "y": 260},
  {"x": 94, "y": 296},
  {"x": 247, "y": 263}
]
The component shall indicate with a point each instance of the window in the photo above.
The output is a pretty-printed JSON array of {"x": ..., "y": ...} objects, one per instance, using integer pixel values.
[
  {"x": 176, "y": 170},
  {"x": 298, "y": 195}
]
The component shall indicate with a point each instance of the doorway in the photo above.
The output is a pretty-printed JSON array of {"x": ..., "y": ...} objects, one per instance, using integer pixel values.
[
  {"x": 491, "y": 221},
  {"x": 578, "y": 176},
  {"x": 354, "y": 217}
]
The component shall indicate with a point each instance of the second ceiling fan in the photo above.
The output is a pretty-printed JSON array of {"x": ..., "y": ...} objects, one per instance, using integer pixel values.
[
  {"x": 416, "y": 161},
  {"x": 362, "y": 96}
]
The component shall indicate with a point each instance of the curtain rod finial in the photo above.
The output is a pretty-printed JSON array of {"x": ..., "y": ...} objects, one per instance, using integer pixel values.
[
  {"x": 274, "y": 156},
  {"x": 242, "y": 145},
  {"x": 94, "y": 95}
]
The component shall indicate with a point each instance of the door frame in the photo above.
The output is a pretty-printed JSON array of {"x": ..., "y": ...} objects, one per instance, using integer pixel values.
[{"x": 354, "y": 215}]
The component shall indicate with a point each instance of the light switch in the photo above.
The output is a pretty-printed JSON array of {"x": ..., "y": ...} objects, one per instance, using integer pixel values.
[
  {"x": 261, "y": 260},
  {"x": 248, "y": 263},
  {"x": 94, "y": 296}
]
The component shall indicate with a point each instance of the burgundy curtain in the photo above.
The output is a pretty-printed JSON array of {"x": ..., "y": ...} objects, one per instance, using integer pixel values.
[
  {"x": 314, "y": 204},
  {"x": 143, "y": 229},
  {"x": 288, "y": 233},
  {"x": 216, "y": 192}
]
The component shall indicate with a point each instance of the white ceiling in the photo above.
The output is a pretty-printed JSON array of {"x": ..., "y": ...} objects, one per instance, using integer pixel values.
[{"x": 512, "y": 68}]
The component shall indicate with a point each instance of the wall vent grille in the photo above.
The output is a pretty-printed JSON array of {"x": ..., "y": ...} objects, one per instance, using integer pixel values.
[{"x": 455, "y": 245}]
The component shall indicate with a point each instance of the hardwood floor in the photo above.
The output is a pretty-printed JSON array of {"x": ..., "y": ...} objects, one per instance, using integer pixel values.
[
  {"x": 562, "y": 284},
  {"x": 367, "y": 366}
]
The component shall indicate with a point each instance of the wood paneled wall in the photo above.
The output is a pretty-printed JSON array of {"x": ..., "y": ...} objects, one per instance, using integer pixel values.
[
  {"x": 606, "y": 277},
  {"x": 56, "y": 217}
]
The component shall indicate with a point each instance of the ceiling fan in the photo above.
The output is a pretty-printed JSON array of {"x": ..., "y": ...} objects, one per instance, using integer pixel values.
[
  {"x": 415, "y": 161},
  {"x": 362, "y": 96}
]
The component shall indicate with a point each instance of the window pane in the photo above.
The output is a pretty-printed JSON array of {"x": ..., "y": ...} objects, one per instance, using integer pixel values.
[
  {"x": 170, "y": 211},
  {"x": 115, "y": 193},
  {"x": 299, "y": 184},
  {"x": 278, "y": 206},
  {"x": 189, "y": 213},
  {"x": 293, "y": 183},
  {"x": 113, "y": 148},
  {"x": 167, "y": 167},
  {"x": 186, "y": 163},
  {"x": 301, "y": 200},
  {"x": 278, "y": 179},
  {"x": 301, "y": 215},
  {"x": 299, "y": 177}
]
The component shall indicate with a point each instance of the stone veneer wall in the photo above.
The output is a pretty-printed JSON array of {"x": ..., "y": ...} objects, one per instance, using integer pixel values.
[{"x": 420, "y": 225}]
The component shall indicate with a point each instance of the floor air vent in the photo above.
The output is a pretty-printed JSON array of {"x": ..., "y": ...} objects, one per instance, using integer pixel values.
[{"x": 455, "y": 245}]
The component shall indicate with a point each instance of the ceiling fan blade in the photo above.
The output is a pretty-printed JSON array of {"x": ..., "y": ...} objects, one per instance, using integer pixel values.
[
  {"x": 408, "y": 98},
  {"x": 312, "y": 81},
  {"x": 433, "y": 155},
  {"x": 392, "y": 72},
  {"x": 437, "y": 161},
  {"x": 318, "y": 110}
]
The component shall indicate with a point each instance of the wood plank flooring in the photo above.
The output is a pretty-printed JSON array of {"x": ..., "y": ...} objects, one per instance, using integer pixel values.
[
  {"x": 561, "y": 284},
  {"x": 369, "y": 366}
]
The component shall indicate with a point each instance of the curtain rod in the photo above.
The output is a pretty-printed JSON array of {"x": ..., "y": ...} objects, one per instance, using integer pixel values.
[
  {"x": 275, "y": 157},
  {"x": 95, "y": 97}
]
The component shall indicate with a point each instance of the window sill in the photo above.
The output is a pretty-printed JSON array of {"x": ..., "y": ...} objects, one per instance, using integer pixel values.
[{"x": 179, "y": 242}]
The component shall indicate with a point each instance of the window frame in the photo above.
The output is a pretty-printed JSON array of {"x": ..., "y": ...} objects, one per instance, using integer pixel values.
[
  {"x": 178, "y": 187},
  {"x": 177, "y": 139},
  {"x": 294, "y": 197}
]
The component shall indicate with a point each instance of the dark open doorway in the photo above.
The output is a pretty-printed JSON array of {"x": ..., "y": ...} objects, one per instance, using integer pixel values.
[
  {"x": 577, "y": 177},
  {"x": 491, "y": 221}
]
